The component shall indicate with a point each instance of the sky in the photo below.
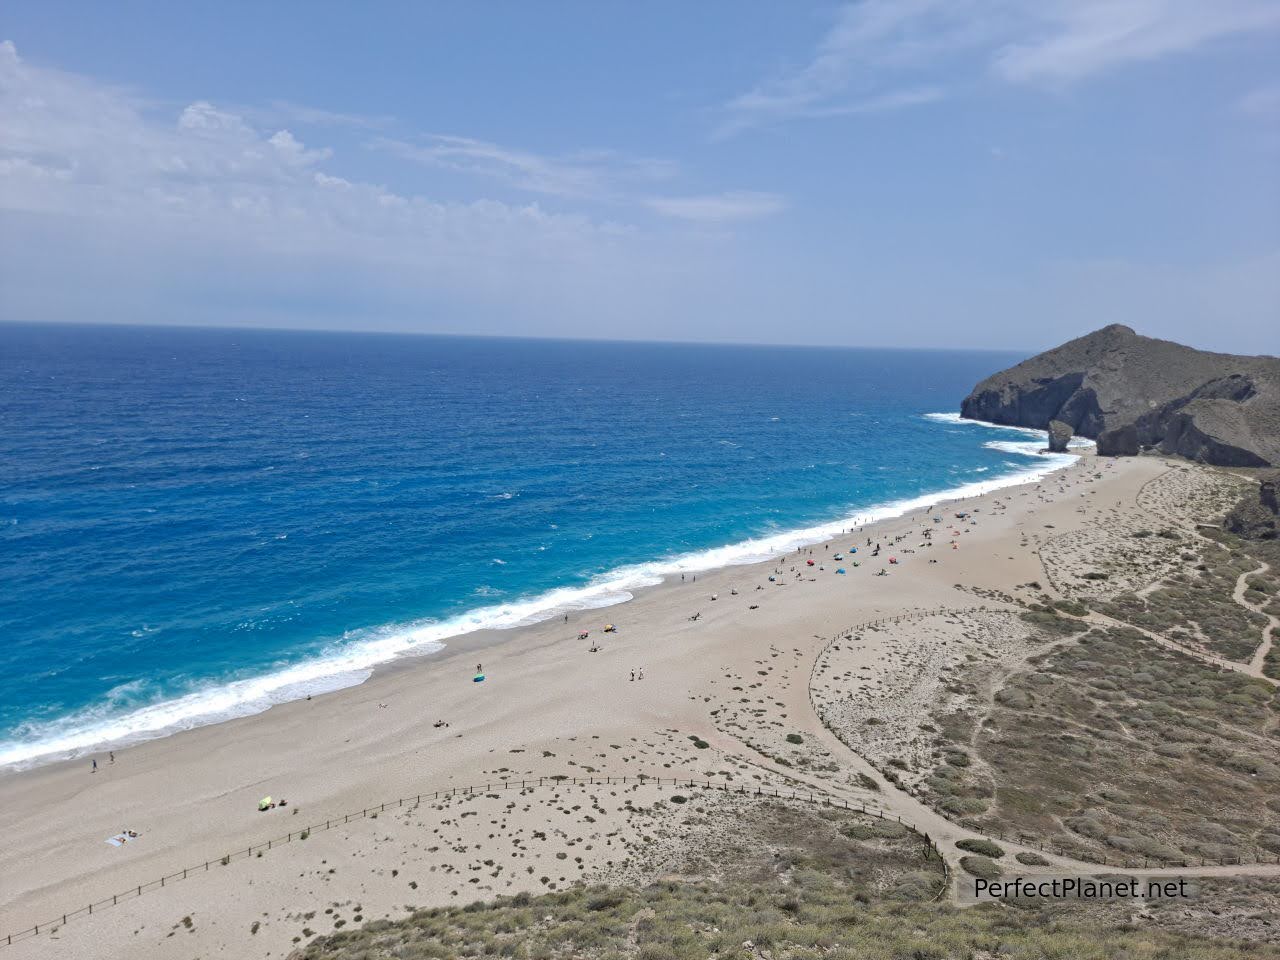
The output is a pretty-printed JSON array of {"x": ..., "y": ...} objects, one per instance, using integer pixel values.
[{"x": 911, "y": 173}]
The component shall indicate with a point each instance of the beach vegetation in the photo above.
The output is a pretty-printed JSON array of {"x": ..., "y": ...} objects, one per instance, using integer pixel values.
[
  {"x": 866, "y": 782},
  {"x": 1049, "y": 621},
  {"x": 979, "y": 866},
  {"x": 1113, "y": 717},
  {"x": 804, "y": 884},
  {"x": 988, "y": 848}
]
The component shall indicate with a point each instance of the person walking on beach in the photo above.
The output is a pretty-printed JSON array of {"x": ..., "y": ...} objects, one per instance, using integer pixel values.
[
  {"x": 633, "y": 675},
  {"x": 112, "y": 755},
  {"x": 95, "y": 765},
  {"x": 641, "y": 677}
]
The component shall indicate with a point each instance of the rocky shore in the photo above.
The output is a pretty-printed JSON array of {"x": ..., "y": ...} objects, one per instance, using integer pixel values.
[{"x": 1132, "y": 393}]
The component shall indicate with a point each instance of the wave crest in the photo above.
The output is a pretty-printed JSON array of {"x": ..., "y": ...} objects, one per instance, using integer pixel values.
[{"x": 353, "y": 660}]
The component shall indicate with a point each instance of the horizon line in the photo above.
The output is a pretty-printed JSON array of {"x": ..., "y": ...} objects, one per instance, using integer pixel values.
[{"x": 504, "y": 336}]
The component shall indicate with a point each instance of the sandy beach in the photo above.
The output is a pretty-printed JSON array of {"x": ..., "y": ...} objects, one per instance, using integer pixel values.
[{"x": 719, "y": 697}]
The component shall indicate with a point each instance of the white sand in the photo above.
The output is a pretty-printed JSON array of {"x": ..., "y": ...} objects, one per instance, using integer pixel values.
[{"x": 548, "y": 707}]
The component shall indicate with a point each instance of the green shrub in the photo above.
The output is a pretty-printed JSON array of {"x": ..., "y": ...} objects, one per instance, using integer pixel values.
[
  {"x": 988, "y": 848},
  {"x": 980, "y": 867}
]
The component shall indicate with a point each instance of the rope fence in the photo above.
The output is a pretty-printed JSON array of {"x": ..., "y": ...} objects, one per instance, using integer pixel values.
[{"x": 302, "y": 833}]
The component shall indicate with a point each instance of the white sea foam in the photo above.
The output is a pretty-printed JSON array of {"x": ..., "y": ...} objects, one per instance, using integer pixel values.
[{"x": 352, "y": 661}]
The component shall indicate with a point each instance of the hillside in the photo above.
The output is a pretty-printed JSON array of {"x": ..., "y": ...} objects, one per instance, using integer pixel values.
[{"x": 1129, "y": 392}]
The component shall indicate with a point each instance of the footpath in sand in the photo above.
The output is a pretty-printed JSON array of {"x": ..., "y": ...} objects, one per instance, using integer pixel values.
[{"x": 733, "y": 664}]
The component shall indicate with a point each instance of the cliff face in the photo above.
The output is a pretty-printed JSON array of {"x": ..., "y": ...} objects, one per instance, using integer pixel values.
[
  {"x": 1130, "y": 393},
  {"x": 1257, "y": 515}
]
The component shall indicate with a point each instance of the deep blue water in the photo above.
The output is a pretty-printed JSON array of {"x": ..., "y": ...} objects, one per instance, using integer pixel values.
[{"x": 197, "y": 523}]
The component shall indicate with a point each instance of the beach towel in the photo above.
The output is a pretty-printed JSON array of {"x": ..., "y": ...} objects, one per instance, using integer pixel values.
[{"x": 119, "y": 840}]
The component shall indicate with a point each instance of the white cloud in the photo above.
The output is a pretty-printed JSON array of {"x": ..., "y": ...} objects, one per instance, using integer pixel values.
[
  {"x": 86, "y": 168},
  {"x": 599, "y": 174},
  {"x": 883, "y": 102},
  {"x": 116, "y": 207},
  {"x": 205, "y": 119},
  {"x": 1082, "y": 38},
  {"x": 729, "y": 207},
  {"x": 881, "y": 55},
  {"x": 868, "y": 61},
  {"x": 293, "y": 152},
  {"x": 283, "y": 111}
]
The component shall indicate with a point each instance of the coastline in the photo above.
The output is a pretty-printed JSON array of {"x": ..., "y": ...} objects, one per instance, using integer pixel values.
[
  {"x": 549, "y": 707},
  {"x": 427, "y": 640}
]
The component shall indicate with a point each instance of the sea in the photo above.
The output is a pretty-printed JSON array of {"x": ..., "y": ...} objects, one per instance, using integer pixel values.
[{"x": 196, "y": 524}]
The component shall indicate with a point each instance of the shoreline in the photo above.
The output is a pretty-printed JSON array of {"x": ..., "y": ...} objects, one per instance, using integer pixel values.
[
  {"x": 549, "y": 707},
  {"x": 614, "y": 588}
]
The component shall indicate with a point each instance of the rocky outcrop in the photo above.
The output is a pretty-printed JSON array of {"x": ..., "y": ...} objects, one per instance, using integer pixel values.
[
  {"x": 1132, "y": 393},
  {"x": 1256, "y": 516},
  {"x": 1059, "y": 436}
]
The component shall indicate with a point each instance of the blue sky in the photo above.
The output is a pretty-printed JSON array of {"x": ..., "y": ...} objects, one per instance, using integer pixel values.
[{"x": 908, "y": 173}]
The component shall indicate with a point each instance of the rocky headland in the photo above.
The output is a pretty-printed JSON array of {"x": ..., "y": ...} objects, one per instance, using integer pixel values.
[{"x": 1132, "y": 393}]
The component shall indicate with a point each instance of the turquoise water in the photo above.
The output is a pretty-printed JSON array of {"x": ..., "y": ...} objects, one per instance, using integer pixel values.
[{"x": 195, "y": 524}]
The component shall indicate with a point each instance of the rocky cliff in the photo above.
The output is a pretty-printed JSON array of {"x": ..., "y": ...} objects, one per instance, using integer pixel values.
[
  {"x": 1257, "y": 515},
  {"x": 1131, "y": 393}
]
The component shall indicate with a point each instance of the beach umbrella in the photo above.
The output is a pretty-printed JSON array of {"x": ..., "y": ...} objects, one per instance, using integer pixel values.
[
  {"x": 264, "y": 803},
  {"x": 839, "y": 569}
]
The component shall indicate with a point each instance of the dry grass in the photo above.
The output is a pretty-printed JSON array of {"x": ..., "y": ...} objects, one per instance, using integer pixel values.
[
  {"x": 1116, "y": 747},
  {"x": 1195, "y": 606},
  {"x": 694, "y": 921},
  {"x": 801, "y": 883}
]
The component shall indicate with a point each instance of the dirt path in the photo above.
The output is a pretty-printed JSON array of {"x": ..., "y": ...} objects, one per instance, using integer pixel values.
[
  {"x": 1251, "y": 669},
  {"x": 902, "y": 804},
  {"x": 897, "y": 803},
  {"x": 1268, "y": 632},
  {"x": 1247, "y": 669}
]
